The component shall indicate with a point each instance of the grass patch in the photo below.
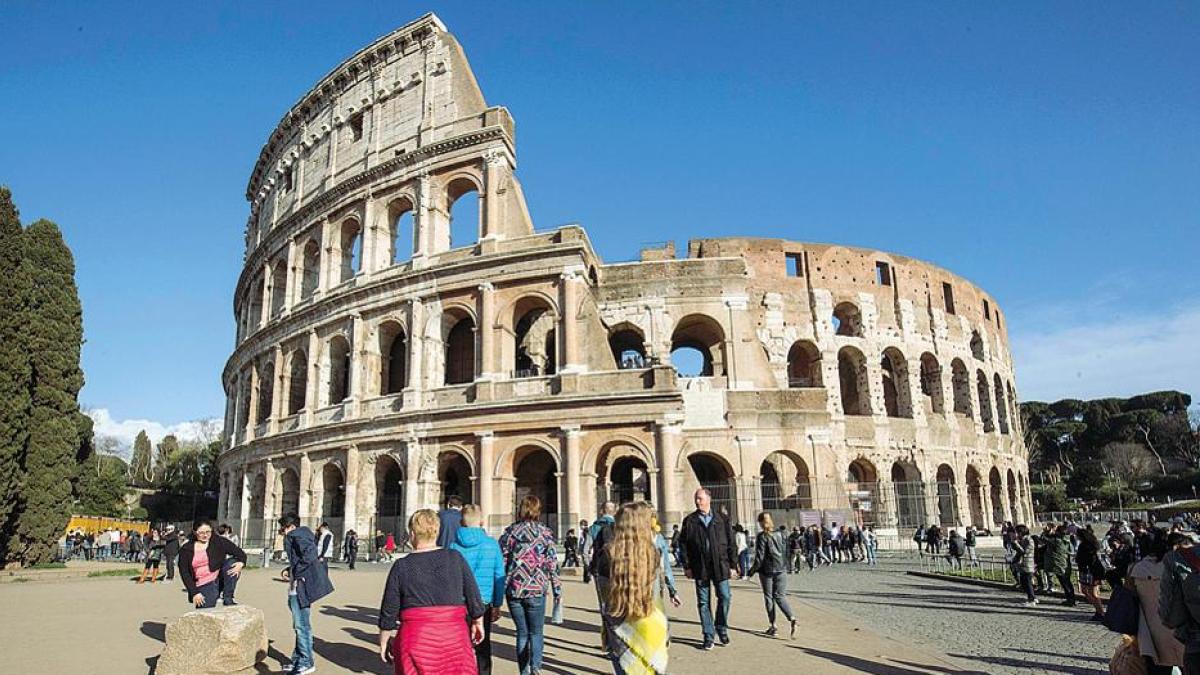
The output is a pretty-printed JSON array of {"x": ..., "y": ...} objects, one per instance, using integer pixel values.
[
  {"x": 49, "y": 566},
  {"x": 20, "y": 580},
  {"x": 126, "y": 572}
]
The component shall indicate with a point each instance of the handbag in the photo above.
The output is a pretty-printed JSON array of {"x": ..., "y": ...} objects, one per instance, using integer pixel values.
[{"x": 1122, "y": 614}]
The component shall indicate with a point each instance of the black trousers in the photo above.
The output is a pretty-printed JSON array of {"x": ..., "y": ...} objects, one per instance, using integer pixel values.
[
  {"x": 170, "y": 567},
  {"x": 483, "y": 650},
  {"x": 1068, "y": 587}
]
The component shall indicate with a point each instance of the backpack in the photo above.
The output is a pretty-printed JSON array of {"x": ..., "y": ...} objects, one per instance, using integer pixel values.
[{"x": 599, "y": 565}]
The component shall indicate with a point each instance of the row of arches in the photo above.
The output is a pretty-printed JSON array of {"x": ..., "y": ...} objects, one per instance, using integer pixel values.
[{"x": 847, "y": 321}]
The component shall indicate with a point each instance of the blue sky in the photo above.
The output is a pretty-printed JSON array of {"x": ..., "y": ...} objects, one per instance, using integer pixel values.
[{"x": 1048, "y": 151}]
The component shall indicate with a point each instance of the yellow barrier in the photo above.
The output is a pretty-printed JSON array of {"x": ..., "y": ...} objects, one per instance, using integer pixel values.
[{"x": 95, "y": 524}]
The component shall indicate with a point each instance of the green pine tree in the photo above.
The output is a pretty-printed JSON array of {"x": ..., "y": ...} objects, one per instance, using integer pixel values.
[
  {"x": 167, "y": 448},
  {"x": 14, "y": 368},
  {"x": 141, "y": 472},
  {"x": 55, "y": 333}
]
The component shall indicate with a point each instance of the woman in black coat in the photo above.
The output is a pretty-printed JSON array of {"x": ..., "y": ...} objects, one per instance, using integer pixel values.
[{"x": 209, "y": 566}]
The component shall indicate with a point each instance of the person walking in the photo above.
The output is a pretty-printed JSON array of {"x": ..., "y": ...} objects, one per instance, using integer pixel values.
[
  {"x": 1057, "y": 561},
  {"x": 203, "y": 565},
  {"x": 531, "y": 566},
  {"x": 154, "y": 554},
  {"x": 308, "y": 582},
  {"x": 350, "y": 548},
  {"x": 1023, "y": 561},
  {"x": 675, "y": 544},
  {"x": 970, "y": 542},
  {"x": 450, "y": 519},
  {"x": 770, "y": 563},
  {"x": 389, "y": 547},
  {"x": 666, "y": 577},
  {"x": 1091, "y": 570},
  {"x": 585, "y": 550},
  {"x": 380, "y": 541},
  {"x": 710, "y": 560},
  {"x": 955, "y": 549},
  {"x": 1160, "y": 650},
  {"x": 743, "y": 549},
  {"x": 919, "y": 538},
  {"x": 1179, "y": 600},
  {"x": 432, "y": 597},
  {"x": 600, "y": 535},
  {"x": 870, "y": 544},
  {"x": 171, "y": 552},
  {"x": 571, "y": 549},
  {"x": 325, "y": 548},
  {"x": 483, "y": 557},
  {"x": 640, "y": 635},
  {"x": 795, "y": 544}
]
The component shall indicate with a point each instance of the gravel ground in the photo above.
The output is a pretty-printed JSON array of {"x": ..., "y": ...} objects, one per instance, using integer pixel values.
[{"x": 984, "y": 629}]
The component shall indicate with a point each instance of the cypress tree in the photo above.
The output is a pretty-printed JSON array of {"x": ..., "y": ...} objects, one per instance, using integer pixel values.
[
  {"x": 55, "y": 334},
  {"x": 14, "y": 367},
  {"x": 140, "y": 471}
]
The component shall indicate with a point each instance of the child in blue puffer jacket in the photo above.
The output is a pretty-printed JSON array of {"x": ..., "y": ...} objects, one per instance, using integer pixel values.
[{"x": 483, "y": 557}]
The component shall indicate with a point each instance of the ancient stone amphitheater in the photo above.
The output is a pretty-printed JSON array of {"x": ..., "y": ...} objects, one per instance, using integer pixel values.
[{"x": 405, "y": 334}]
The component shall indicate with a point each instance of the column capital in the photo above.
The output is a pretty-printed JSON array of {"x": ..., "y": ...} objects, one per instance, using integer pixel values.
[
  {"x": 735, "y": 301},
  {"x": 486, "y": 287},
  {"x": 485, "y": 435},
  {"x": 571, "y": 430}
]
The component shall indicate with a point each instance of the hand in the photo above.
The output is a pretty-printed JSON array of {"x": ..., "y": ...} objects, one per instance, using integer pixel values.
[
  {"x": 495, "y": 614},
  {"x": 675, "y": 600},
  {"x": 235, "y": 569},
  {"x": 385, "y": 645},
  {"x": 198, "y": 600},
  {"x": 734, "y": 575},
  {"x": 285, "y": 574},
  {"x": 477, "y": 631}
]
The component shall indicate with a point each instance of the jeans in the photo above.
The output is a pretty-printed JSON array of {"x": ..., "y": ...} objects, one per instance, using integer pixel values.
[
  {"x": 228, "y": 583},
  {"x": 211, "y": 591},
  {"x": 602, "y": 604},
  {"x": 529, "y": 615},
  {"x": 170, "y": 567},
  {"x": 1068, "y": 587},
  {"x": 302, "y": 655},
  {"x": 1026, "y": 581},
  {"x": 1191, "y": 663},
  {"x": 871, "y": 554},
  {"x": 774, "y": 588},
  {"x": 703, "y": 602},
  {"x": 483, "y": 650}
]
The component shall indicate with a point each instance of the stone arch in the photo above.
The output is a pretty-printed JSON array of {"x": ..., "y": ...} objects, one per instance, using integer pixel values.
[
  {"x": 258, "y": 294},
  {"x": 854, "y": 381},
  {"x": 279, "y": 274},
  {"x": 960, "y": 380},
  {"x": 785, "y": 482},
  {"x": 457, "y": 336},
  {"x": 1013, "y": 408},
  {"x": 947, "y": 499},
  {"x": 897, "y": 395},
  {"x": 714, "y": 473},
  {"x": 985, "y": 401},
  {"x": 804, "y": 365},
  {"x": 266, "y": 389},
  {"x": 393, "y": 357},
  {"x": 464, "y": 227},
  {"x": 976, "y": 345},
  {"x": 258, "y": 497},
  {"x": 244, "y": 393},
  {"x": 338, "y": 366},
  {"x": 862, "y": 471},
  {"x": 533, "y": 320},
  {"x": 996, "y": 490},
  {"x": 535, "y": 472},
  {"x": 628, "y": 346},
  {"x": 455, "y": 469},
  {"x": 297, "y": 381},
  {"x": 975, "y": 496},
  {"x": 333, "y": 491},
  {"x": 288, "y": 489},
  {"x": 931, "y": 384},
  {"x": 909, "y": 492},
  {"x": 623, "y": 472},
  {"x": 401, "y": 229},
  {"x": 1014, "y": 504},
  {"x": 389, "y": 495},
  {"x": 349, "y": 250},
  {"x": 1001, "y": 404},
  {"x": 705, "y": 336},
  {"x": 310, "y": 269},
  {"x": 847, "y": 320}
]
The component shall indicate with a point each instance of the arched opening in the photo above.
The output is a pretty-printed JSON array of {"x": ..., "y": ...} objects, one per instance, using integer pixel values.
[
  {"x": 266, "y": 390},
  {"x": 860, "y": 472},
  {"x": 785, "y": 483},
  {"x": 947, "y": 502},
  {"x": 975, "y": 496},
  {"x": 257, "y": 526},
  {"x": 1013, "y": 409},
  {"x": 297, "y": 382},
  {"x": 350, "y": 249},
  {"x": 713, "y": 474},
  {"x": 393, "y": 351},
  {"x": 244, "y": 392},
  {"x": 910, "y": 495},
  {"x": 402, "y": 233},
  {"x": 534, "y": 338},
  {"x": 931, "y": 384},
  {"x": 996, "y": 492},
  {"x": 339, "y": 369},
  {"x": 534, "y": 470},
  {"x": 698, "y": 347},
  {"x": 804, "y": 365},
  {"x": 255, "y": 314},
  {"x": 333, "y": 492},
  {"x": 278, "y": 288},
  {"x": 960, "y": 379},
  {"x": 629, "y": 480},
  {"x": 1023, "y": 497},
  {"x": 1001, "y": 405},
  {"x": 985, "y": 401},
  {"x": 862, "y": 491},
  {"x": 310, "y": 275},
  {"x": 454, "y": 477},
  {"x": 389, "y": 496},
  {"x": 460, "y": 349},
  {"x": 847, "y": 320},
  {"x": 628, "y": 347},
  {"x": 462, "y": 204},
  {"x": 1014, "y": 504},
  {"x": 854, "y": 382},
  {"x": 289, "y": 493},
  {"x": 976, "y": 345},
  {"x": 897, "y": 397}
]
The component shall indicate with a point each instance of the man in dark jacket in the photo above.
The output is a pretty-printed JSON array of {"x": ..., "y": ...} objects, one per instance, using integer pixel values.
[
  {"x": 1058, "y": 561},
  {"x": 308, "y": 581},
  {"x": 171, "y": 552},
  {"x": 709, "y": 559},
  {"x": 450, "y": 519}
]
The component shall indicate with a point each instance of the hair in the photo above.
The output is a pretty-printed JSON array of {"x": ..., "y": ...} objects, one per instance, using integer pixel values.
[
  {"x": 201, "y": 522},
  {"x": 454, "y": 502},
  {"x": 1089, "y": 536},
  {"x": 324, "y": 525},
  {"x": 635, "y": 562},
  {"x": 1158, "y": 543},
  {"x": 472, "y": 516},
  {"x": 423, "y": 526},
  {"x": 766, "y": 521},
  {"x": 609, "y": 508},
  {"x": 289, "y": 519},
  {"x": 531, "y": 508}
]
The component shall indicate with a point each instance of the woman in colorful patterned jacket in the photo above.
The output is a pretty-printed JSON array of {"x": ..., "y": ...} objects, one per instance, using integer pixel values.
[{"x": 531, "y": 565}]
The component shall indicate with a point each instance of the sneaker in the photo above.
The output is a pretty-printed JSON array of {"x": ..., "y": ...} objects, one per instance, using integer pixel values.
[
  {"x": 724, "y": 639},
  {"x": 708, "y": 645},
  {"x": 303, "y": 670},
  {"x": 792, "y": 636},
  {"x": 770, "y": 631}
]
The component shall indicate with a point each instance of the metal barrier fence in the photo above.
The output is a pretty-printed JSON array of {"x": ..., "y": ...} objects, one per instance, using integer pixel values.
[
  {"x": 988, "y": 567},
  {"x": 1091, "y": 516}
]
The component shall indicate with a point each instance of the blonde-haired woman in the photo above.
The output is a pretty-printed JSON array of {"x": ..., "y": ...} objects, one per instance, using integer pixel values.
[
  {"x": 430, "y": 593},
  {"x": 770, "y": 562},
  {"x": 639, "y": 641}
]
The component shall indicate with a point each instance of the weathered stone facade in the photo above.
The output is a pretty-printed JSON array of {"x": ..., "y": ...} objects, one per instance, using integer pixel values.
[{"x": 379, "y": 369}]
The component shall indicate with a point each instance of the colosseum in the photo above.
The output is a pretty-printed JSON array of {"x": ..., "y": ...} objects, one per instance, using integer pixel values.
[{"x": 404, "y": 334}]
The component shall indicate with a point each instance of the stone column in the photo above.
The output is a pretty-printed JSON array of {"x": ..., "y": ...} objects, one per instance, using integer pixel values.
[
  {"x": 569, "y": 281},
  {"x": 487, "y": 332},
  {"x": 571, "y": 435},
  {"x": 494, "y": 169},
  {"x": 413, "y": 499},
  {"x": 351, "y": 493},
  {"x": 277, "y": 392},
  {"x": 736, "y": 305},
  {"x": 368, "y": 264},
  {"x": 423, "y": 221},
  {"x": 290, "y": 285},
  {"x": 357, "y": 361},
  {"x": 484, "y": 461},
  {"x": 312, "y": 384},
  {"x": 668, "y": 437},
  {"x": 252, "y": 418},
  {"x": 326, "y": 268},
  {"x": 269, "y": 497},
  {"x": 305, "y": 506},
  {"x": 243, "y": 482},
  {"x": 416, "y": 349},
  {"x": 268, "y": 281}
]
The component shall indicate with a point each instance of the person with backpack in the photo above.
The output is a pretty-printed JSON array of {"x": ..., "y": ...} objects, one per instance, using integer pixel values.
[
  {"x": 770, "y": 563},
  {"x": 1058, "y": 562},
  {"x": 1023, "y": 560},
  {"x": 308, "y": 582},
  {"x": 710, "y": 560},
  {"x": 350, "y": 547},
  {"x": 600, "y": 535},
  {"x": 919, "y": 538},
  {"x": 954, "y": 549},
  {"x": 570, "y": 549},
  {"x": 1179, "y": 600},
  {"x": 483, "y": 556},
  {"x": 1091, "y": 570}
]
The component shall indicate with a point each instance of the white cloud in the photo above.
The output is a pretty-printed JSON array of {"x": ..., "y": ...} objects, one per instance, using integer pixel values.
[
  {"x": 1094, "y": 352},
  {"x": 126, "y": 430}
]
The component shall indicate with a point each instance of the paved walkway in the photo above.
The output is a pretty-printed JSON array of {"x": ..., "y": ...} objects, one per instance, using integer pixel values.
[{"x": 110, "y": 625}]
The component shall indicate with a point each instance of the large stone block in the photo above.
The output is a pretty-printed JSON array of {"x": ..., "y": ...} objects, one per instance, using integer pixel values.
[{"x": 218, "y": 640}]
